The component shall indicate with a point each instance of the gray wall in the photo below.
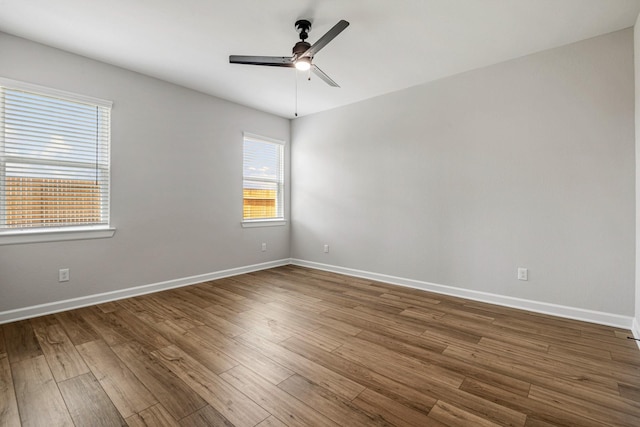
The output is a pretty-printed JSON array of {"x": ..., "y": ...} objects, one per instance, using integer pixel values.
[
  {"x": 458, "y": 182},
  {"x": 176, "y": 185}
]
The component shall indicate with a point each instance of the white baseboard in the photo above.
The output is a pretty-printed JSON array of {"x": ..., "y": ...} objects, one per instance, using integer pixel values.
[
  {"x": 609, "y": 319},
  {"x": 574, "y": 313},
  {"x": 57, "y": 306},
  {"x": 636, "y": 330}
]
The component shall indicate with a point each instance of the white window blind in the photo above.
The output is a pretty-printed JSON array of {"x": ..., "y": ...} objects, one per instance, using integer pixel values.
[
  {"x": 263, "y": 178},
  {"x": 54, "y": 158}
]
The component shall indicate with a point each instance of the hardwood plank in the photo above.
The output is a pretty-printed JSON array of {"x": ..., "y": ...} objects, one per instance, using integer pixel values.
[
  {"x": 537, "y": 371},
  {"x": 176, "y": 396},
  {"x": 273, "y": 330},
  {"x": 140, "y": 332},
  {"x": 109, "y": 328},
  {"x": 8, "y": 405},
  {"x": 155, "y": 416},
  {"x": 322, "y": 376},
  {"x": 20, "y": 341},
  {"x": 88, "y": 404},
  {"x": 162, "y": 311},
  {"x": 203, "y": 316},
  {"x": 76, "y": 327},
  {"x": 357, "y": 317},
  {"x": 612, "y": 370},
  {"x": 275, "y": 401},
  {"x": 108, "y": 307},
  {"x": 231, "y": 403},
  {"x": 456, "y": 417},
  {"x": 271, "y": 422},
  {"x": 628, "y": 356},
  {"x": 39, "y": 400},
  {"x": 535, "y": 422},
  {"x": 629, "y": 392},
  {"x": 142, "y": 311},
  {"x": 620, "y": 412},
  {"x": 43, "y": 321},
  {"x": 200, "y": 349},
  {"x": 466, "y": 369},
  {"x": 389, "y": 411},
  {"x": 355, "y": 371},
  {"x": 334, "y": 334},
  {"x": 443, "y": 388},
  {"x": 3, "y": 346},
  {"x": 532, "y": 408},
  {"x": 330, "y": 405},
  {"x": 63, "y": 358},
  {"x": 401, "y": 365},
  {"x": 124, "y": 389},
  {"x": 247, "y": 355},
  {"x": 321, "y": 341},
  {"x": 289, "y": 319},
  {"x": 206, "y": 417}
]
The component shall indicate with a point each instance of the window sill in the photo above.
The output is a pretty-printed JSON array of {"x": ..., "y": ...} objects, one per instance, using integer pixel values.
[
  {"x": 263, "y": 223},
  {"x": 54, "y": 235}
]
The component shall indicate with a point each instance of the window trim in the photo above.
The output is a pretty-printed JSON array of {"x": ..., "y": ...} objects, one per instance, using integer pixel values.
[
  {"x": 266, "y": 222},
  {"x": 54, "y": 234}
]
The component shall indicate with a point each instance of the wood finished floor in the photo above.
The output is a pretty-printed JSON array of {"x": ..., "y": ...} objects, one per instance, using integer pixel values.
[{"x": 299, "y": 347}]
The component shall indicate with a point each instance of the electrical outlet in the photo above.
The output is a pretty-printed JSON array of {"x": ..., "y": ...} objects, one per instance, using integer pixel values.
[
  {"x": 264, "y": 247},
  {"x": 326, "y": 249},
  {"x": 63, "y": 275},
  {"x": 523, "y": 273}
]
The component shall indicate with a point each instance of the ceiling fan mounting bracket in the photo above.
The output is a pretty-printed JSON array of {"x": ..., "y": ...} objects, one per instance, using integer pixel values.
[{"x": 303, "y": 26}]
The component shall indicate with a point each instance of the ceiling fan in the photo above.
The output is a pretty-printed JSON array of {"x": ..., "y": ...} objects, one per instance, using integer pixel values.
[{"x": 303, "y": 52}]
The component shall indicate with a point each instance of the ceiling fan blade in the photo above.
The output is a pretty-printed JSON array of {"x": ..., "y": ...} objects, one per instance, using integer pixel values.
[
  {"x": 318, "y": 72},
  {"x": 324, "y": 40},
  {"x": 271, "y": 61}
]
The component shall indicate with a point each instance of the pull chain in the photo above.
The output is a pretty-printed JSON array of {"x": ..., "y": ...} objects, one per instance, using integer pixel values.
[{"x": 296, "y": 112}]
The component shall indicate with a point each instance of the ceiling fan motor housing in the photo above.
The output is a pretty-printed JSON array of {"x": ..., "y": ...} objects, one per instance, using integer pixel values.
[{"x": 300, "y": 48}]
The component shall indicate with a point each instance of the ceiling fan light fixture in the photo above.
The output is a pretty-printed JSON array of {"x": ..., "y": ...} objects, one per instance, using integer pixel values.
[{"x": 303, "y": 64}]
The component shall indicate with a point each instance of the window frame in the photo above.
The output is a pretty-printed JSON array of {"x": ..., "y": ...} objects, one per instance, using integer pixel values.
[
  {"x": 280, "y": 184},
  {"x": 10, "y": 236}
]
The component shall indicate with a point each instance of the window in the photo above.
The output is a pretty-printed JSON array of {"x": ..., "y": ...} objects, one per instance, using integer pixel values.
[
  {"x": 54, "y": 160},
  {"x": 263, "y": 179}
]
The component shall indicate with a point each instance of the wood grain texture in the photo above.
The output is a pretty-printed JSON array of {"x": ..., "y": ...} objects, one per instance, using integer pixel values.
[
  {"x": 61, "y": 354},
  {"x": 77, "y": 328},
  {"x": 124, "y": 389},
  {"x": 155, "y": 416},
  {"x": 246, "y": 355},
  {"x": 293, "y": 346},
  {"x": 275, "y": 400},
  {"x": 88, "y": 404},
  {"x": 8, "y": 405},
  {"x": 329, "y": 379},
  {"x": 206, "y": 417},
  {"x": 21, "y": 342},
  {"x": 3, "y": 345},
  {"x": 329, "y": 404},
  {"x": 39, "y": 399},
  {"x": 176, "y": 396},
  {"x": 228, "y": 401}
]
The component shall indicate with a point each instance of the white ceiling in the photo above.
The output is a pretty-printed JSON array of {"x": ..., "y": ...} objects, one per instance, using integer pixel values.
[{"x": 390, "y": 45}]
